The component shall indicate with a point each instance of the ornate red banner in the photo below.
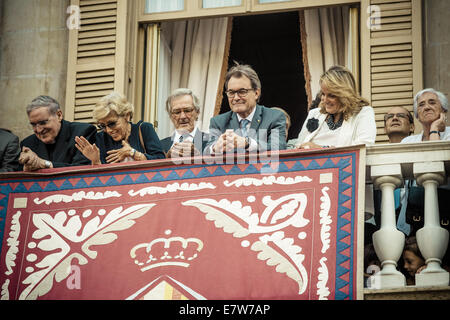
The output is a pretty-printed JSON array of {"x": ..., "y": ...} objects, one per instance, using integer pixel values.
[{"x": 284, "y": 229}]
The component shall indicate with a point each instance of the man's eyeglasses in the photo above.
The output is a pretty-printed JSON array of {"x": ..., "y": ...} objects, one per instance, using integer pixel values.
[
  {"x": 187, "y": 111},
  {"x": 241, "y": 92},
  {"x": 39, "y": 124},
  {"x": 111, "y": 125},
  {"x": 398, "y": 115}
]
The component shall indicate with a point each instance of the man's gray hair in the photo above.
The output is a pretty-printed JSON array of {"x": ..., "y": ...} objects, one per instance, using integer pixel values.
[
  {"x": 239, "y": 70},
  {"x": 179, "y": 93},
  {"x": 442, "y": 98},
  {"x": 44, "y": 101}
]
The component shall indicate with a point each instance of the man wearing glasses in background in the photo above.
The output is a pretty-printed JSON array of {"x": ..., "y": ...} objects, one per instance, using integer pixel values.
[
  {"x": 53, "y": 143},
  {"x": 248, "y": 126},
  {"x": 398, "y": 124},
  {"x": 183, "y": 107}
]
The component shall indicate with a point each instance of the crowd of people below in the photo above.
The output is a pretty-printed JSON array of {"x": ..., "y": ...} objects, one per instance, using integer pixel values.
[{"x": 338, "y": 116}]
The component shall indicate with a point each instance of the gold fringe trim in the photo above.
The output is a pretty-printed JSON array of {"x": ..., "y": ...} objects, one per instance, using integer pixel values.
[
  {"x": 223, "y": 72},
  {"x": 306, "y": 72}
]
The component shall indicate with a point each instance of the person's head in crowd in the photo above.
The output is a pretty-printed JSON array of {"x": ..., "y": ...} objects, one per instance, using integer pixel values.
[
  {"x": 243, "y": 89},
  {"x": 119, "y": 140},
  {"x": 45, "y": 116},
  {"x": 430, "y": 108},
  {"x": 52, "y": 145},
  {"x": 113, "y": 114},
  {"x": 183, "y": 107},
  {"x": 430, "y": 98},
  {"x": 398, "y": 124},
  {"x": 412, "y": 258},
  {"x": 371, "y": 263},
  {"x": 343, "y": 116},
  {"x": 288, "y": 119},
  {"x": 339, "y": 95},
  {"x": 316, "y": 102},
  {"x": 9, "y": 151}
]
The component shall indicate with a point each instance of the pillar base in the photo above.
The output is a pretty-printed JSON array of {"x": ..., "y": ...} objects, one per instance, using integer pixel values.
[
  {"x": 386, "y": 281},
  {"x": 432, "y": 279}
]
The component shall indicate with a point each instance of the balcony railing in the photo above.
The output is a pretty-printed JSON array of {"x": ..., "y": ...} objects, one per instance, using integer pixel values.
[{"x": 387, "y": 168}]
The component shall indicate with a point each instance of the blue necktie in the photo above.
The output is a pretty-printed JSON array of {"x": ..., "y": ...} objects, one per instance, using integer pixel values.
[{"x": 244, "y": 123}]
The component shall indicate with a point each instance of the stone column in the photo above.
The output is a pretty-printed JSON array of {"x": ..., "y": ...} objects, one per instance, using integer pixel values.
[
  {"x": 388, "y": 241},
  {"x": 432, "y": 239}
]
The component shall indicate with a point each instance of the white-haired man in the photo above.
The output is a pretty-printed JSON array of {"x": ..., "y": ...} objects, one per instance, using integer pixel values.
[
  {"x": 183, "y": 107},
  {"x": 53, "y": 143}
]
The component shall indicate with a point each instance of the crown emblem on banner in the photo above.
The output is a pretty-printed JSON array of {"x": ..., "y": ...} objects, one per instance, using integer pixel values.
[{"x": 173, "y": 251}]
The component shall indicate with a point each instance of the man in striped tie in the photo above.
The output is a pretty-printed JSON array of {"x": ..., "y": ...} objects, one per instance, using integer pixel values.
[{"x": 183, "y": 107}]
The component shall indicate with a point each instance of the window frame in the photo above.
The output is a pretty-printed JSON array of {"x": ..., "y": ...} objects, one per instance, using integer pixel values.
[{"x": 193, "y": 9}]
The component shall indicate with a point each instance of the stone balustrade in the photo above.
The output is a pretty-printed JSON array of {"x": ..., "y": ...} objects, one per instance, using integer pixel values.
[{"x": 388, "y": 166}]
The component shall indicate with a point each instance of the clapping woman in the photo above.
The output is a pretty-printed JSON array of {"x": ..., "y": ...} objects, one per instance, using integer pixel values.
[
  {"x": 343, "y": 117},
  {"x": 120, "y": 140}
]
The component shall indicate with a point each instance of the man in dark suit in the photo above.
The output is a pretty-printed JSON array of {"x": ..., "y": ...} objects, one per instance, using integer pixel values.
[
  {"x": 9, "y": 151},
  {"x": 183, "y": 107},
  {"x": 248, "y": 126},
  {"x": 53, "y": 143}
]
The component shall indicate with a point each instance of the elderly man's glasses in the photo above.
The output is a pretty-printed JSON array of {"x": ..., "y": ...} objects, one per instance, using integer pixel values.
[
  {"x": 390, "y": 116},
  {"x": 241, "y": 92},
  {"x": 39, "y": 124},
  {"x": 187, "y": 111},
  {"x": 111, "y": 125}
]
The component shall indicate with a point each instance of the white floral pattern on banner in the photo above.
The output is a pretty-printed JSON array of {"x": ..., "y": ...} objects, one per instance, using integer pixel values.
[
  {"x": 78, "y": 196},
  {"x": 288, "y": 210},
  {"x": 325, "y": 220},
  {"x": 293, "y": 267},
  {"x": 174, "y": 187},
  {"x": 267, "y": 180},
  {"x": 322, "y": 290},
  {"x": 13, "y": 243},
  {"x": 58, "y": 232}
]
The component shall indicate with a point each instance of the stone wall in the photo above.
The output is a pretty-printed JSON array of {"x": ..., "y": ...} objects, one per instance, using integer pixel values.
[
  {"x": 33, "y": 57},
  {"x": 436, "y": 47},
  {"x": 436, "y": 37}
]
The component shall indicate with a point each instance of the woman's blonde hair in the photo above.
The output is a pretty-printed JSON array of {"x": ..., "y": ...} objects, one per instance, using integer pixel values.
[
  {"x": 113, "y": 102},
  {"x": 340, "y": 82}
]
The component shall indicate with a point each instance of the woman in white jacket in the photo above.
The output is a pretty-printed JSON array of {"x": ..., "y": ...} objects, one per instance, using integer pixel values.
[{"x": 343, "y": 117}]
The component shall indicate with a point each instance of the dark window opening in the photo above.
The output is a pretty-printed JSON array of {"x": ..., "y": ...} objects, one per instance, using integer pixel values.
[{"x": 271, "y": 44}]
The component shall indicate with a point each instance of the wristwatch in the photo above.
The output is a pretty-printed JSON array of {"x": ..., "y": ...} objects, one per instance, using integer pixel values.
[{"x": 48, "y": 164}]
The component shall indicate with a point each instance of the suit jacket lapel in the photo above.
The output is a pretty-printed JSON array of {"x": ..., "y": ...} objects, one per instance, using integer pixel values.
[
  {"x": 198, "y": 140},
  {"x": 234, "y": 123},
  {"x": 256, "y": 121}
]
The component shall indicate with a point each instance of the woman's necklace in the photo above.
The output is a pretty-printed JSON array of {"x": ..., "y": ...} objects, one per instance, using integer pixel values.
[{"x": 331, "y": 124}]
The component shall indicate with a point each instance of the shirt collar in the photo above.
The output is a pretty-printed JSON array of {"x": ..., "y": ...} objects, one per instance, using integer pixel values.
[
  {"x": 191, "y": 134},
  {"x": 249, "y": 117}
]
